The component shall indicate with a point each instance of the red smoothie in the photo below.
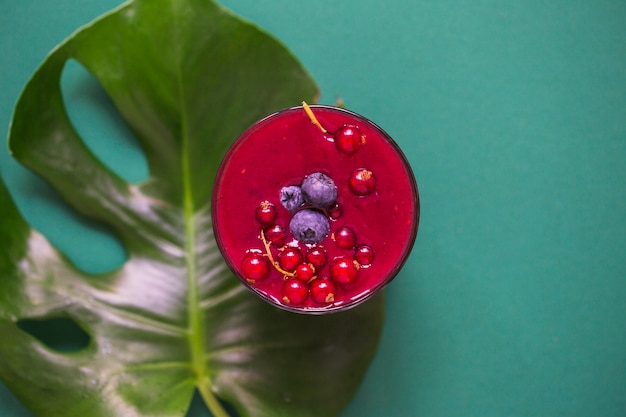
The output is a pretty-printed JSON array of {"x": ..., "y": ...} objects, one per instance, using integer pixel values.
[{"x": 349, "y": 234}]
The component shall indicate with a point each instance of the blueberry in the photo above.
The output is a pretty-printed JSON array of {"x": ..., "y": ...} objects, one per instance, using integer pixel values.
[
  {"x": 291, "y": 197},
  {"x": 309, "y": 226},
  {"x": 319, "y": 190}
]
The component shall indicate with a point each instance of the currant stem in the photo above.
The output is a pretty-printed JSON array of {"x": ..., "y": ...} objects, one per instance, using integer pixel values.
[
  {"x": 314, "y": 120},
  {"x": 268, "y": 251}
]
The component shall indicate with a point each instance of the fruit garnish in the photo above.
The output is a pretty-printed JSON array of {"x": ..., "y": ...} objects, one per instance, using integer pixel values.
[
  {"x": 309, "y": 226},
  {"x": 319, "y": 190}
]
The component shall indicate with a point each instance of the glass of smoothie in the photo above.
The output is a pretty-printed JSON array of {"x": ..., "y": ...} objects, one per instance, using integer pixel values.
[{"x": 315, "y": 209}]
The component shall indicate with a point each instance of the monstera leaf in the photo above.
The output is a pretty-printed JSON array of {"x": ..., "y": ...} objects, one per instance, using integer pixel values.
[{"x": 188, "y": 78}]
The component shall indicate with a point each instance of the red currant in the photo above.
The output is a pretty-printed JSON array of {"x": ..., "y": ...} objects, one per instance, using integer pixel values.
[
  {"x": 343, "y": 269},
  {"x": 265, "y": 213},
  {"x": 255, "y": 266},
  {"x": 276, "y": 235},
  {"x": 349, "y": 139},
  {"x": 334, "y": 212},
  {"x": 364, "y": 255},
  {"x": 362, "y": 182},
  {"x": 323, "y": 290},
  {"x": 316, "y": 256},
  {"x": 304, "y": 272},
  {"x": 345, "y": 238},
  {"x": 289, "y": 259},
  {"x": 295, "y": 291}
]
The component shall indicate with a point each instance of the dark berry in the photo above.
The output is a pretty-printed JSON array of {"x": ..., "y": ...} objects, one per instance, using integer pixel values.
[
  {"x": 309, "y": 226},
  {"x": 362, "y": 182},
  {"x": 334, "y": 212},
  {"x": 364, "y": 255},
  {"x": 319, "y": 190},
  {"x": 316, "y": 256},
  {"x": 254, "y": 267},
  {"x": 265, "y": 213},
  {"x": 345, "y": 238},
  {"x": 295, "y": 291},
  {"x": 343, "y": 270},
  {"x": 291, "y": 197},
  {"x": 289, "y": 259},
  {"x": 349, "y": 139},
  {"x": 276, "y": 235},
  {"x": 323, "y": 290},
  {"x": 304, "y": 272}
]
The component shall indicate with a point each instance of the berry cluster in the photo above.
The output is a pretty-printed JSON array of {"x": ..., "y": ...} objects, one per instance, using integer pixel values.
[
  {"x": 313, "y": 263},
  {"x": 302, "y": 261}
]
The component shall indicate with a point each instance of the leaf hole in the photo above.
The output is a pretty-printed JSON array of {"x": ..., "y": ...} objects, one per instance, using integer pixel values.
[
  {"x": 59, "y": 333},
  {"x": 91, "y": 246},
  {"x": 100, "y": 125}
]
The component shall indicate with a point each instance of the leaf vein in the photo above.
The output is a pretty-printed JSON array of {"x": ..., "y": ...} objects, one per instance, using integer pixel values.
[{"x": 138, "y": 318}]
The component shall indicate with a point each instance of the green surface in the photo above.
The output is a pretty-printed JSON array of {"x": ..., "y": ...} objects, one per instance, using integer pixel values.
[{"x": 513, "y": 115}]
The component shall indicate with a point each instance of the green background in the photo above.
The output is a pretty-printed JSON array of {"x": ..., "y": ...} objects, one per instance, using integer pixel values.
[{"x": 513, "y": 116}]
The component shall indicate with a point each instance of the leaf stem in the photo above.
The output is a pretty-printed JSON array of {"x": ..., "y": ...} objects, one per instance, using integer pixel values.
[
  {"x": 211, "y": 401},
  {"x": 195, "y": 325},
  {"x": 195, "y": 319}
]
